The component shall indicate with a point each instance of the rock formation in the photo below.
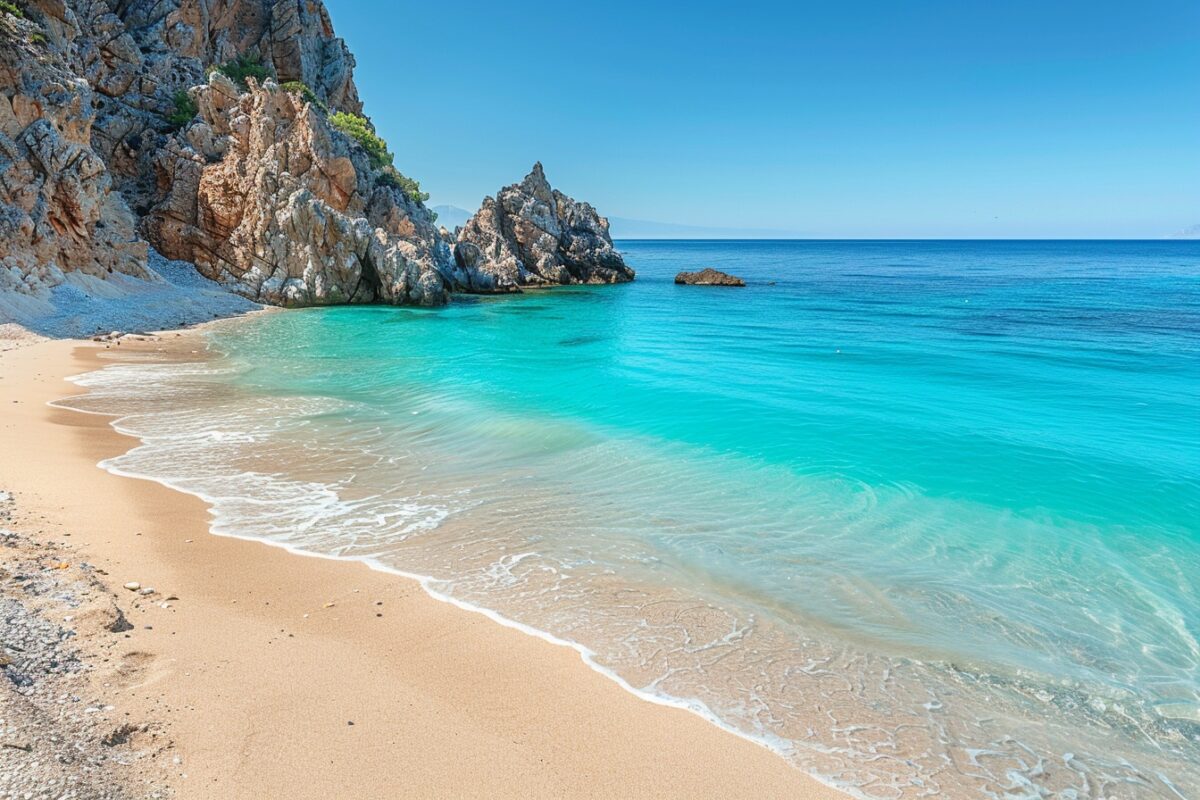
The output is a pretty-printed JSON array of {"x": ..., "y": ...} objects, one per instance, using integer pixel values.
[
  {"x": 99, "y": 156},
  {"x": 708, "y": 277},
  {"x": 262, "y": 194},
  {"x": 533, "y": 235},
  {"x": 58, "y": 207}
]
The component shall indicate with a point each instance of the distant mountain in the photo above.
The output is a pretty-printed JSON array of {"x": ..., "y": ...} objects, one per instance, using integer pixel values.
[
  {"x": 1187, "y": 233},
  {"x": 451, "y": 216},
  {"x": 622, "y": 228}
]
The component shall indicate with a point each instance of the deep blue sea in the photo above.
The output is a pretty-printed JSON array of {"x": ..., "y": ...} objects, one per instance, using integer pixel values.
[{"x": 922, "y": 516}]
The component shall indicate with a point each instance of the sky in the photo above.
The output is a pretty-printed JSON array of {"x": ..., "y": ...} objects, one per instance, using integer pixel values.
[{"x": 1010, "y": 119}]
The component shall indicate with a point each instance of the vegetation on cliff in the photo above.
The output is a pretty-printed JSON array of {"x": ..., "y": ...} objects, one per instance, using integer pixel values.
[
  {"x": 359, "y": 129},
  {"x": 185, "y": 109},
  {"x": 301, "y": 88},
  {"x": 246, "y": 65}
]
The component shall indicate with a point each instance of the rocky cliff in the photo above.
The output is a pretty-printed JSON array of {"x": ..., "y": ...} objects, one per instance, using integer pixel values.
[
  {"x": 229, "y": 134},
  {"x": 533, "y": 235},
  {"x": 116, "y": 134},
  {"x": 262, "y": 194}
]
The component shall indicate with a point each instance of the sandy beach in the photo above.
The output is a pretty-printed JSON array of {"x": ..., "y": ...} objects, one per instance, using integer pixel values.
[{"x": 276, "y": 675}]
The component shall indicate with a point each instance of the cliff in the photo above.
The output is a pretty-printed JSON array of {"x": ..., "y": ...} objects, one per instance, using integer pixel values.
[
  {"x": 126, "y": 125},
  {"x": 229, "y": 134}
]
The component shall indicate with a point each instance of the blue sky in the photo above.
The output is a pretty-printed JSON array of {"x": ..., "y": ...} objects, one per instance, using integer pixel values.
[{"x": 853, "y": 119}]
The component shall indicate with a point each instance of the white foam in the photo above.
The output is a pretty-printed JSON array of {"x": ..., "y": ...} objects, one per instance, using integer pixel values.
[
  {"x": 948, "y": 719},
  {"x": 428, "y": 583}
]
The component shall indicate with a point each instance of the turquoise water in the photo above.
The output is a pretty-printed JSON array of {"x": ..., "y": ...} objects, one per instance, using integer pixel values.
[{"x": 923, "y": 516}]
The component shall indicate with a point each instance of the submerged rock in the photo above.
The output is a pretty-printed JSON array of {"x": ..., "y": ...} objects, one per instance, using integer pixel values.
[
  {"x": 708, "y": 277},
  {"x": 533, "y": 235}
]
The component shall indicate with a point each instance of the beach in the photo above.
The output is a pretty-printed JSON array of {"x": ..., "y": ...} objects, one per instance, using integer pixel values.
[{"x": 263, "y": 673}]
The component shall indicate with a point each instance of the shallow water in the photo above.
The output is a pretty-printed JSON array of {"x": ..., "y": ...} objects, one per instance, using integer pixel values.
[{"x": 923, "y": 516}]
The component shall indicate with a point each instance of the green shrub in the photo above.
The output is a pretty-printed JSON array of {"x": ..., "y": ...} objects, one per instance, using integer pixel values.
[
  {"x": 390, "y": 176},
  {"x": 301, "y": 88},
  {"x": 356, "y": 128},
  {"x": 243, "y": 67},
  {"x": 11, "y": 8},
  {"x": 359, "y": 130},
  {"x": 37, "y": 37},
  {"x": 185, "y": 109}
]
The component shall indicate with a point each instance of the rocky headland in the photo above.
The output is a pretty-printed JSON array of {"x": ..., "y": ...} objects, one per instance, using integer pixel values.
[
  {"x": 230, "y": 135},
  {"x": 533, "y": 235}
]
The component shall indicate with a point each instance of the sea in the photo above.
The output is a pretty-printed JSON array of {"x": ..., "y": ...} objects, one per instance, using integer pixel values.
[{"x": 921, "y": 516}]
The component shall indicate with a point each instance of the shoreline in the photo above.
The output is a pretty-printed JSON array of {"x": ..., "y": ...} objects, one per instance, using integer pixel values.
[{"x": 504, "y": 715}]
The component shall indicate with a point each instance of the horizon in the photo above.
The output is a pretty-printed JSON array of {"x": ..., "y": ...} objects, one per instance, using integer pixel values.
[
  {"x": 1180, "y": 236},
  {"x": 941, "y": 122},
  {"x": 1167, "y": 239}
]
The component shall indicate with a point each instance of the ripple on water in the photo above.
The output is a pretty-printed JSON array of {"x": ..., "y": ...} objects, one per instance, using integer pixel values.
[{"x": 937, "y": 566}]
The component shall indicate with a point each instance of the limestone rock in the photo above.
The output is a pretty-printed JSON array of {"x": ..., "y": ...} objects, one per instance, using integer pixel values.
[
  {"x": 533, "y": 235},
  {"x": 709, "y": 277},
  {"x": 98, "y": 162},
  {"x": 58, "y": 208},
  {"x": 263, "y": 195},
  {"x": 258, "y": 190}
]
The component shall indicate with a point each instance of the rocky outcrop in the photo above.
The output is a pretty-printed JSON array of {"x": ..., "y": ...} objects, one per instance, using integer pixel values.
[
  {"x": 708, "y": 277},
  {"x": 264, "y": 196},
  {"x": 259, "y": 190},
  {"x": 58, "y": 208},
  {"x": 533, "y": 235}
]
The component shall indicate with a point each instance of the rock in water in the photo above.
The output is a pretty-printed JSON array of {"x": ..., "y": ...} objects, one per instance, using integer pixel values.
[
  {"x": 708, "y": 277},
  {"x": 533, "y": 235}
]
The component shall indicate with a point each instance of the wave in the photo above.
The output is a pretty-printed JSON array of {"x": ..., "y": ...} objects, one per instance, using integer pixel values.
[{"x": 737, "y": 590}]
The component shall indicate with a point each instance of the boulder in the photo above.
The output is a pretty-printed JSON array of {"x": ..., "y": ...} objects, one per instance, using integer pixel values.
[
  {"x": 533, "y": 235},
  {"x": 708, "y": 277}
]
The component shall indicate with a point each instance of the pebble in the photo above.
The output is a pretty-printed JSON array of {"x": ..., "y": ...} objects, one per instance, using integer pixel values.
[{"x": 133, "y": 586}]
